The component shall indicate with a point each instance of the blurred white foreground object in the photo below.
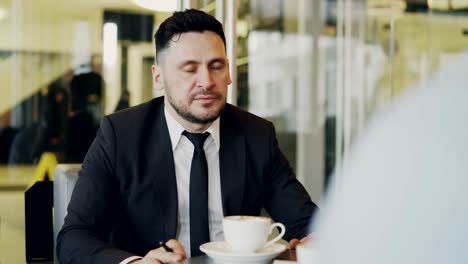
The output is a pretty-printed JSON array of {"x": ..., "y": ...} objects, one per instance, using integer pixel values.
[{"x": 403, "y": 196}]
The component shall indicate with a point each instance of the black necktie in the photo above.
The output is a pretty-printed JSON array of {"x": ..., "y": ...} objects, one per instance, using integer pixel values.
[{"x": 199, "y": 231}]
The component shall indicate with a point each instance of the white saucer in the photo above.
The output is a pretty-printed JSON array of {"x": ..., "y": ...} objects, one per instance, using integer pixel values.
[{"x": 220, "y": 253}]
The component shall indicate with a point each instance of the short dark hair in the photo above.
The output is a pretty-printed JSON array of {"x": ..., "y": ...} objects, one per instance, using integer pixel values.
[{"x": 188, "y": 20}]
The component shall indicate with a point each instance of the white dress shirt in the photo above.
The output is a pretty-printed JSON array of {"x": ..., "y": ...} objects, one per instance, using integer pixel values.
[{"x": 182, "y": 150}]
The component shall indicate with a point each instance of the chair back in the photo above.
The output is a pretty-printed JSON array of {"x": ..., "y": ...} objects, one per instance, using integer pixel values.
[{"x": 65, "y": 178}]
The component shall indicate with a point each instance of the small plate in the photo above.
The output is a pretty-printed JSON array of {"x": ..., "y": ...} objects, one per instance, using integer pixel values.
[{"x": 220, "y": 253}]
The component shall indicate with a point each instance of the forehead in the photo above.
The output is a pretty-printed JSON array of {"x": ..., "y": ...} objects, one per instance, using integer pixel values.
[{"x": 195, "y": 46}]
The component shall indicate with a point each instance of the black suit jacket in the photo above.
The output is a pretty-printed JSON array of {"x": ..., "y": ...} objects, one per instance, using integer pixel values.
[{"x": 125, "y": 200}]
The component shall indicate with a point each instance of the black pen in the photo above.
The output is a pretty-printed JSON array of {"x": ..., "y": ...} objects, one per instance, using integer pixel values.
[{"x": 163, "y": 245}]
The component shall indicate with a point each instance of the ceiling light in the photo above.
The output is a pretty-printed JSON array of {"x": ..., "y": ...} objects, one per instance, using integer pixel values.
[
  {"x": 3, "y": 13},
  {"x": 158, "y": 5}
]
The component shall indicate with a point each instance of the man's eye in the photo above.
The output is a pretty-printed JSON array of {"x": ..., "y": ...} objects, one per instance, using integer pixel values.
[
  {"x": 217, "y": 66},
  {"x": 190, "y": 69}
]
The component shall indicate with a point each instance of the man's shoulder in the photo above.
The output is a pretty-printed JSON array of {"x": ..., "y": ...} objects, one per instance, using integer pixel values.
[
  {"x": 239, "y": 118},
  {"x": 139, "y": 112}
]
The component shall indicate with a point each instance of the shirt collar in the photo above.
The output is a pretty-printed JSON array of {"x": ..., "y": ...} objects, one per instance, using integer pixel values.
[{"x": 176, "y": 129}]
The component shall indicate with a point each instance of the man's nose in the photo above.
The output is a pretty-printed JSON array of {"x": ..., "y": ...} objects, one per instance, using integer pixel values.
[{"x": 205, "y": 79}]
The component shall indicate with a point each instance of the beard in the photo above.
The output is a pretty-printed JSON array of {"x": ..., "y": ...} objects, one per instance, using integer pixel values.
[{"x": 184, "y": 111}]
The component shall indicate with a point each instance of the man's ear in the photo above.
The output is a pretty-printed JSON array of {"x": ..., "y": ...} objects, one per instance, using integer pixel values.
[
  {"x": 229, "y": 80},
  {"x": 158, "y": 81}
]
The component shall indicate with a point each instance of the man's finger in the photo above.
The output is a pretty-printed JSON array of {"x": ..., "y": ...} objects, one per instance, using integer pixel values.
[
  {"x": 176, "y": 247},
  {"x": 293, "y": 243},
  {"x": 163, "y": 256}
]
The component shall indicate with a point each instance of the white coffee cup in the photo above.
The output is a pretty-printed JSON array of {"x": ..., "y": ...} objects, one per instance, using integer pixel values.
[{"x": 247, "y": 234}]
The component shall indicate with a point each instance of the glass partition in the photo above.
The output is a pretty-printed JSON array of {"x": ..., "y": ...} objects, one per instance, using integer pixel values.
[
  {"x": 320, "y": 69},
  {"x": 317, "y": 69}
]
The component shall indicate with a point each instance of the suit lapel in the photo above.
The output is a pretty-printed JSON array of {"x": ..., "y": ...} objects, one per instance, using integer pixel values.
[
  {"x": 232, "y": 163},
  {"x": 163, "y": 170}
]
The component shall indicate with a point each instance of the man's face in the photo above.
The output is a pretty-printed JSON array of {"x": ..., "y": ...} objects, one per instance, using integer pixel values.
[{"x": 194, "y": 73}]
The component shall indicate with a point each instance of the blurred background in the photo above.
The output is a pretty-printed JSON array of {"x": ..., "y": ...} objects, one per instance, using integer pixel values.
[{"x": 318, "y": 69}]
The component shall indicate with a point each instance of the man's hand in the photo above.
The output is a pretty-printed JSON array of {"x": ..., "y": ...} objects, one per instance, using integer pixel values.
[
  {"x": 160, "y": 255},
  {"x": 294, "y": 242}
]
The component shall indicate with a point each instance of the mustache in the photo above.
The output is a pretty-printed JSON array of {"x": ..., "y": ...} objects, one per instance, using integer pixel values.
[{"x": 211, "y": 94}]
